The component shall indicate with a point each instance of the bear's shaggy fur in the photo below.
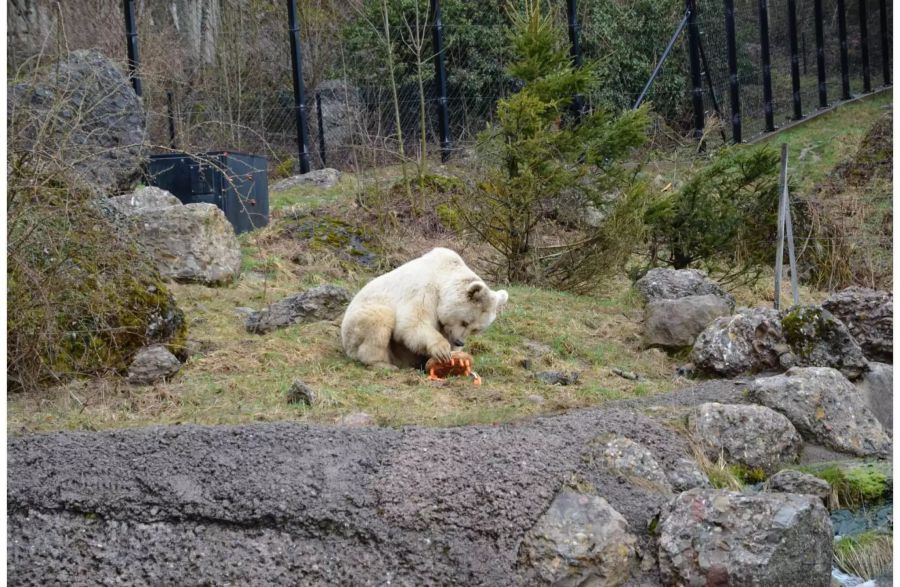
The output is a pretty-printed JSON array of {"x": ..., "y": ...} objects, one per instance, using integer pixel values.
[{"x": 425, "y": 308}]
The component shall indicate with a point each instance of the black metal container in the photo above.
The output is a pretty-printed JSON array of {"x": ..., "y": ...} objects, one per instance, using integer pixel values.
[{"x": 235, "y": 182}]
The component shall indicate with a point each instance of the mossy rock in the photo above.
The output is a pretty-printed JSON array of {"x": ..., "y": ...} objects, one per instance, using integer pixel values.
[
  {"x": 819, "y": 339},
  {"x": 333, "y": 234},
  {"x": 84, "y": 299},
  {"x": 802, "y": 327}
]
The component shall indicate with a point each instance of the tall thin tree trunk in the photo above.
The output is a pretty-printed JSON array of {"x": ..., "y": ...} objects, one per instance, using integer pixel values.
[{"x": 390, "y": 57}]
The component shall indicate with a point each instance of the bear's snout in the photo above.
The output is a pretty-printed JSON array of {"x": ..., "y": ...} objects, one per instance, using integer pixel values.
[{"x": 458, "y": 343}]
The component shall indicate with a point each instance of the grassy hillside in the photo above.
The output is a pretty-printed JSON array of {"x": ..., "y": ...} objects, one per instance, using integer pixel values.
[{"x": 232, "y": 376}]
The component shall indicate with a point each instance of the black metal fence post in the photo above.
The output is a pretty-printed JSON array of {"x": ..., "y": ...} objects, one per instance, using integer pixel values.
[
  {"x": 885, "y": 47},
  {"x": 441, "y": 75},
  {"x": 170, "y": 100},
  {"x": 734, "y": 87},
  {"x": 575, "y": 51},
  {"x": 132, "y": 46},
  {"x": 864, "y": 45},
  {"x": 820, "y": 53},
  {"x": 766, "y": 64},
  {"x": 321, "y": 129},
  {"x": 795, "y": 59},
  {"x": 845, "y": 59},
  {"x": 696, "y": 79},
  {"x": 299, "y": 97}
]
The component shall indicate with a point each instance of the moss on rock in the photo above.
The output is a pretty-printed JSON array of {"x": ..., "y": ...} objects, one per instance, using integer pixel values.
[{"x": 83, "y": 298}]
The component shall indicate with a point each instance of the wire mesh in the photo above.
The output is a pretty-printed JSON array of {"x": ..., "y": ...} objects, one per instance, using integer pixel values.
[{"x": 228, "y": 68}]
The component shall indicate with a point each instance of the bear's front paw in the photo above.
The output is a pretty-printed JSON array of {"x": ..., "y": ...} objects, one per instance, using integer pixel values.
[{"x": 440, "y": 351}]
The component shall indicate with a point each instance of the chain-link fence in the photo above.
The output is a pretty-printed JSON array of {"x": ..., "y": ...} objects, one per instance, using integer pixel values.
[{"x": 217, "y": 74}]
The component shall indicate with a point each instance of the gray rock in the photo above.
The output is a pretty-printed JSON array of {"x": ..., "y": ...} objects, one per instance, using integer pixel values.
[
  {"x": 675, "y": 324},
  {"x": 536, "y": 399},
  {"x": 745, "y": 342},
  {"x": 790, "y": 481},
  {"x": 631, "y": 460},
  {"x": 877, "y": 388},
  {"x": 143, "y": 199},
  {"x": 715, "y": 537},
  {"x": 152, "y": 364},
  {"x": 321, "y": 178},
  {"x": 825, "y": 408},
  {"x": 580, "y": 540},
  {"x": 557, "y": 377},
  {"x": 869, "y": 315},
  {"x": 818, "y": 339},
  {"x": 357, "y": 420},
  {"x": 86, "y": 110},
  {"x": 325, "y": 302},
  {"x": 193, "y": 243},
  {"x": 669, "y": 284},
  {"x": 342, "y": 112},
  {"x": 300, "y": 393},
  {"x": 754, "y": 436},
  {"x": 686, "y": 474}
]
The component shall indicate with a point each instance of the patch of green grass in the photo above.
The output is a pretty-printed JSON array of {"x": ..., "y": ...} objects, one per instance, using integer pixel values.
[
  {"x": 867, "y": 555},
  {"x": 234, "y": 377},
  {"x": 308, "y": 197},
  {"x": 748, "y": 475},
  {"x": 853, "y": 484},
  {"x": 817, "y": 146}
]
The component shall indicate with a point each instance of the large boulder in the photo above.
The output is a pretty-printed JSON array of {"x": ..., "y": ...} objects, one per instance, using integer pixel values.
[
  {"x": 877, "y": 388},
  {"x": 82, "y": 113},
  {"x": 580, "y": 540},
  {"x": 190, "y": 243},
  {"x": 716, "y": 538},
  {"x": 818, "y": 339},
  {"x": 663, "y": 283},
  {"x": 825, "y": 408},
  {"x": 325, "y": 302},
  {"x": 342, "y": 112},
  {"x": 754, "y": 436},
  {"x": 143, "y": 199},
  {"x": 749, "y": 341},
  {"x": 869, "y": 315},
  {"x": 675, "y": 324}
]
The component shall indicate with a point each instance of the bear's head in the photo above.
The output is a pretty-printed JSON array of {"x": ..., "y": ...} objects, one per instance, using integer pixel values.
[{"x": 468, "y": 308}]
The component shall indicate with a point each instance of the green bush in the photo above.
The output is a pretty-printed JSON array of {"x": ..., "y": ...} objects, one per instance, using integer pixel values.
[{"x": 724, "y": 218}]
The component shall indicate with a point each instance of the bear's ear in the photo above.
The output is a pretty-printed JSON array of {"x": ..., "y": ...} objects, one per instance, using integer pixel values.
[
  {"x": 476, "y": 291},
  {"x": 502, "y": 297}
]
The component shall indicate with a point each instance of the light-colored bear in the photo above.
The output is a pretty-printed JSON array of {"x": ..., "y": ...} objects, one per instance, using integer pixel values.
[{"x": 425, "y": 308}]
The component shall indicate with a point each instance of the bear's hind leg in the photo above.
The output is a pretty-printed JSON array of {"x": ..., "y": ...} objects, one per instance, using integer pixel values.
[{"x": 368, "y": 337}]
